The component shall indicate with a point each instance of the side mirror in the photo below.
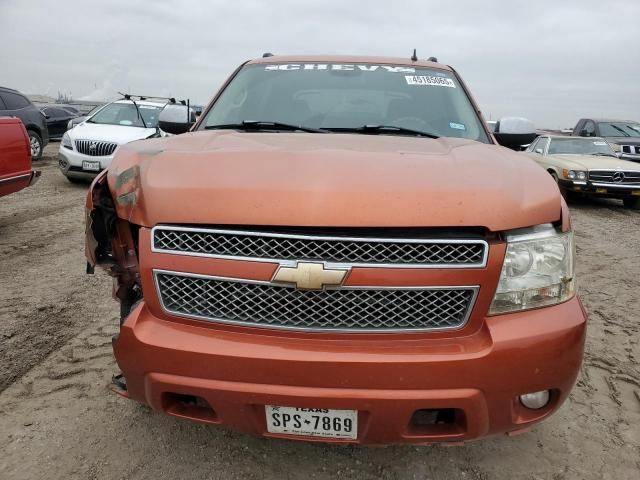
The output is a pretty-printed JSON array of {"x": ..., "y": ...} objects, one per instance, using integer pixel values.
[
  {"x": 176, "y": 119},
  {"x": 513, "y": 132}
]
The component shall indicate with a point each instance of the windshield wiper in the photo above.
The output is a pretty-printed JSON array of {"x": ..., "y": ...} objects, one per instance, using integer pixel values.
[
  {"x": 139, "y": 114},
  {"x": 265, "y": 125},
  {"x": 385, "y": 129},
  {"x": 620, "y": 130}
]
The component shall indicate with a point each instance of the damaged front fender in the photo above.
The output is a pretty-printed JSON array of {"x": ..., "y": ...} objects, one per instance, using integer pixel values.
[{"x": 112, "y": 242}]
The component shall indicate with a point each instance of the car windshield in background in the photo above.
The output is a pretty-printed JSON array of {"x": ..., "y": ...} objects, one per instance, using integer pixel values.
[
  {"x": 126, "y": 114},
  {"x": 348, "y": 97},
  {"x": 619, "y": 129},
  {"x": 579, "y": 146}
]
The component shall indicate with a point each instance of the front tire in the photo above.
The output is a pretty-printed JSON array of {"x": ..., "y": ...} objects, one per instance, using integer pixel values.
[
  {"x": 632, "y": 203},
  {"x": 35, "y": 142}
]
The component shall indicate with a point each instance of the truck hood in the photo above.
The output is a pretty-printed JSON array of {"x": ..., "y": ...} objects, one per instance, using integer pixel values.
[
  {"x": 119, "y": 134},
  {"x": 594, "y": 162},
  {"x": 340, "y": 180}
]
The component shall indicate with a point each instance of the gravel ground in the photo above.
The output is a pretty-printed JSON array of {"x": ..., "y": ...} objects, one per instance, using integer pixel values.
[{"x": 58, "y": 420}]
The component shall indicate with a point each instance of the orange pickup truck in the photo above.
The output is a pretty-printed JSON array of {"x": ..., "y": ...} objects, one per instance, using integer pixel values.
[
  {"x": 15, "y": 157},
  {"x": 339, "y": 251}
]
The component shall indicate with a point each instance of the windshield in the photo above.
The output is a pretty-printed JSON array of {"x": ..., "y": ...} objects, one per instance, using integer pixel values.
[
  {"x": 619, "y": 129},
  {"x": 342, "y": 97},
  {"x": 125, "y": 114},
  {"x": 579, "y": 146}
]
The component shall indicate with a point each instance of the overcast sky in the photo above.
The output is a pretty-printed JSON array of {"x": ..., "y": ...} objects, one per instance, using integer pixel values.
[{"x": 550, "y": 61}]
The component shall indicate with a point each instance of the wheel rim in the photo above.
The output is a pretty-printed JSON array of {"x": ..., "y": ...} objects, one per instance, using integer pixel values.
[{"x": 35, "y": 146}]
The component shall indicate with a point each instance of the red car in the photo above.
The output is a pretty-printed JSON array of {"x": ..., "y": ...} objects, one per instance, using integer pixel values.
[{"x": 15, "y": 157}]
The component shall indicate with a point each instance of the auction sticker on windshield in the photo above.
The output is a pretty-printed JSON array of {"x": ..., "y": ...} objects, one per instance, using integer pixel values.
[
  {"x": 429, "y": 80},
  {"x": 312, "y": 422}
]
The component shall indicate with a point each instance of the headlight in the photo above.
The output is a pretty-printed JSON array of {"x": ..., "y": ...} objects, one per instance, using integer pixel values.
[
  {"x": 70, "y": 124},
  {"x": 66, "y": 141},
  {"x": 537, "y": 271},
  {"x": 574, "y": 174},
  {"x": 616, "y": 147}
]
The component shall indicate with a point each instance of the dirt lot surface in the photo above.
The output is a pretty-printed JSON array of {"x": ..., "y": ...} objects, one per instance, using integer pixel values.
[{"x": 58, "y": 420}]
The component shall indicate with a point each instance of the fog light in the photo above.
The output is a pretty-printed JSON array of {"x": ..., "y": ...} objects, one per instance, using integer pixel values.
[{"x": 535, "y": 400}]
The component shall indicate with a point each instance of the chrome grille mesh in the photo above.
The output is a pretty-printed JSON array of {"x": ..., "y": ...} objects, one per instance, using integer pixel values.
[
  {"x": 623, "y": 177},
  {"x": 95, "y": 148},
  {"x": 343, "y": 309},
  {"x": 263, "y": 245}
]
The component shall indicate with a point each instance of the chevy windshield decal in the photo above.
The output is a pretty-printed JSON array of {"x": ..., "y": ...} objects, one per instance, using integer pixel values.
[{"x": 339, "y": 66}]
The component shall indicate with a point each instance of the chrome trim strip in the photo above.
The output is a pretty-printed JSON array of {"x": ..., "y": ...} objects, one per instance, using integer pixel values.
[
  {"x": 472, "y": 304},
  {"x": 289, "y": 263},
  {"x": 613, "y": 170},
  {"x": 15, "y": 178},
  {"x": 616, "y": 185}
]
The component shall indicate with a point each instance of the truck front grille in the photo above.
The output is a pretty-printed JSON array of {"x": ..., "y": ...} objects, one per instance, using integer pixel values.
[
  {"x": 615, "y": 177},
  {"x": 251, "y": 245},
  {"x": 630, "y": 149},
  {"x": 95, "y": 148},
  {"x": 362, "y": 309}
]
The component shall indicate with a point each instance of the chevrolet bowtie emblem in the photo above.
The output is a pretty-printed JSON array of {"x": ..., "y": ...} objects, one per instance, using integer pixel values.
[{"x": 310, "y": 276}]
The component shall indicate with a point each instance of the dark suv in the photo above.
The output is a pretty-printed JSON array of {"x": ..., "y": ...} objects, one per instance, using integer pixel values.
[
  {"x": 623, "y": 135},
  {"x": 14, "y": 104}
]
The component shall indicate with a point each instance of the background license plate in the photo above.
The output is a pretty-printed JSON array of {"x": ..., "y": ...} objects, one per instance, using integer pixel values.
[
  {"x": 91, "y": 166},
  {"x": 313, "y": 422}
]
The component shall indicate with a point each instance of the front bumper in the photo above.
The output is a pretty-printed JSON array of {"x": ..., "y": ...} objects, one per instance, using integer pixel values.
[
  {"x": 605, "y": 190},
  {"x": 386, "y": 379},
  {"x": 70, "y": 163}
]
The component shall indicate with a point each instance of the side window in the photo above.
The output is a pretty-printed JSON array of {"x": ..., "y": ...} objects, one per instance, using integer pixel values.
[
  {"x": 13, "y": 101},
  {"x": 532, "y": 147},
  {"x": 2, "y": 105},
  {"x": 589, "y": 129}
]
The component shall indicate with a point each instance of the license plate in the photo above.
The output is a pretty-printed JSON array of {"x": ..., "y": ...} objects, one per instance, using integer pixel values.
[
  {"x": 636, "y": 192},
  {"x": 601, "y": 190},
  {"x": 92, "y": 166},
  {"x": 312, "y": 422}
]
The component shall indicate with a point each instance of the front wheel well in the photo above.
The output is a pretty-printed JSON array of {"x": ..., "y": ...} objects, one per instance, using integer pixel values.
[{"x": 34, "y": 129}]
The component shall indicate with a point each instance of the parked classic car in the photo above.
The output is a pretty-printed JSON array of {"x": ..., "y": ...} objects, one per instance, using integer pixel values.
[
  {"x": 623, "y": 135},
  {"x": 588, "y": 166},
  {"x": 338, "y": 250},
  {"x": 57, "y": 120},
  {"x": 15, "y": 157},
  {"x": 14, "y": 104}
]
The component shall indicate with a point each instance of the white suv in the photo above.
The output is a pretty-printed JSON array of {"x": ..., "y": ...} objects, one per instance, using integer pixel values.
[{"x": 88, "y": 148}]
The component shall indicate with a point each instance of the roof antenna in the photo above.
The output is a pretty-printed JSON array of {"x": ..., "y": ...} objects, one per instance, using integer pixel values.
[{"x": 414, "y": 57}]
